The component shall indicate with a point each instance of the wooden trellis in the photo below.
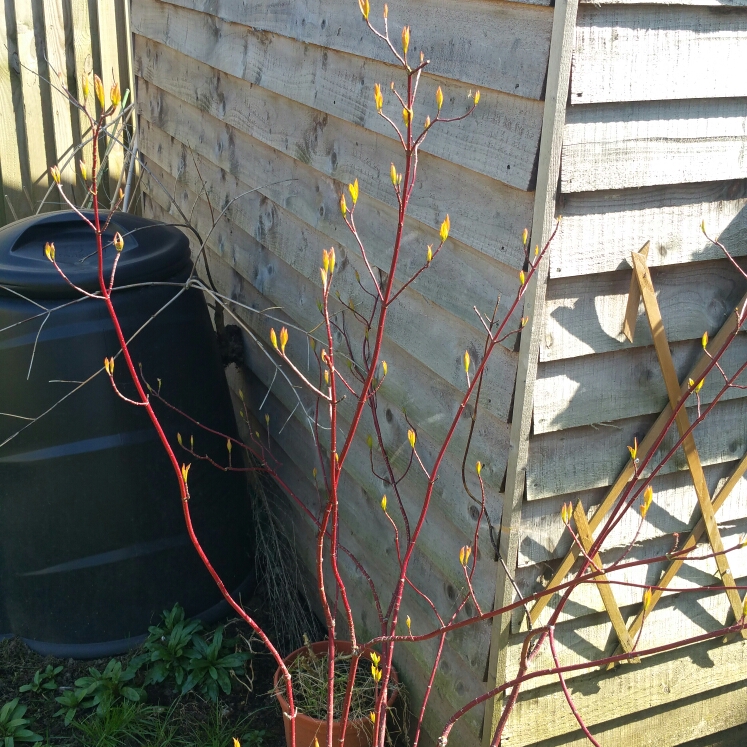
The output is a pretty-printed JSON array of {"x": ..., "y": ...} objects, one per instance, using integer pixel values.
[{"x": 641, "y": 287}]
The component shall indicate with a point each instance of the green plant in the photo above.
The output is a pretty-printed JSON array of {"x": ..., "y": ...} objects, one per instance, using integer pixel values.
[
  {"x": 13, "y": 725},
  {"x": 165, "y": 649},
  {"x": 43, "y": 682},
  {"x": 130, "y": 723},
  {"x": 99, "y": 690},
  {"x": 211, "y": 666}
]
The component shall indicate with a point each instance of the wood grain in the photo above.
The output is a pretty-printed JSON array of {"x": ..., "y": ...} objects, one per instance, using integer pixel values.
[
  {"x": 486, "y": 43},
  {"x": 601, "y": 229},
  {"x": 617, "y": 146},
  {"x": 652, "y": 53},
  {"x": 500, "y": 140},
  {"x": 585, "y": 315}
]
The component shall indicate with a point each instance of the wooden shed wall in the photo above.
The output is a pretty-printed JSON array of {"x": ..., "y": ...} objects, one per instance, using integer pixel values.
[
  {"x": 655, "y": 141},
  {"x": 256, "y": 93}
]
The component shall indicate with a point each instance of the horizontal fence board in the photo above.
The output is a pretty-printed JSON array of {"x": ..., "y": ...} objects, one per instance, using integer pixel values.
[
  {"x": 586, "y": 599},
  {"x": 601, "y": 229},
  {"x": 485, "y": 214},
  {"x": 600, "y": 389},
  {"x": 617, "y": 146},
  {"x": 544, "y": 537},
  {"x": 584, "y": 458},
  {"x": 669, "y": 3},
  {"x": 650, "y": 53},
  {"x": 500, "y": 140},
  {"x": 585, "y": 315},
  {"x": 677, "y": 617},
  {"x": 442, "y": 355},
  {"x": 600, "y": 697},
  {"x": 488, "y": 43}
]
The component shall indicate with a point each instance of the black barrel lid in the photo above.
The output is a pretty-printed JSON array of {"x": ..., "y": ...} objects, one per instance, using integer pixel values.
[{"x": 152, "y": 252}]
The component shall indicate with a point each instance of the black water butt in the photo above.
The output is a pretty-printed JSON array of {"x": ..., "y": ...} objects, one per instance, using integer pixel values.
[{"x": 93, "y": 544}]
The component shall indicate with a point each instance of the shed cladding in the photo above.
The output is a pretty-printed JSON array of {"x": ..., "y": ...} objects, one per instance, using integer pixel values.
[
  {"x": 655, "y": 141},
  {"x": 279, "y": 96}
]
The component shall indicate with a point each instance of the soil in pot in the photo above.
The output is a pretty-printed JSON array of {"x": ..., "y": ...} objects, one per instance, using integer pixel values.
[{"x": 308, "y": 667}]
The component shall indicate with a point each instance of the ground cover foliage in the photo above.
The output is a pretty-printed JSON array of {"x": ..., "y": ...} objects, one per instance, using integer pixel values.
[{"x": 186, "y": 686}]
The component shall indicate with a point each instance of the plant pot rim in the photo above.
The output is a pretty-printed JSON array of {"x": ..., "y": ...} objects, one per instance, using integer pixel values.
[{"x": 321, "y": 647}]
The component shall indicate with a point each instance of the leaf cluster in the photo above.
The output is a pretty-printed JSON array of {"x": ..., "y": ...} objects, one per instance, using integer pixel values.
[
  {"x": 43, "y": 682},
  {"x": 13, "y": 725}
]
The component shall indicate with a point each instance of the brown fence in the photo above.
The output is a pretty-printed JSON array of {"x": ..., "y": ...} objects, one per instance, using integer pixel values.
[{"x": 46, "y": 46}]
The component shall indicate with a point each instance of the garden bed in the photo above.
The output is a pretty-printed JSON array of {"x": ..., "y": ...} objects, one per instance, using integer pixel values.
[{"x": 163, "y": 717}]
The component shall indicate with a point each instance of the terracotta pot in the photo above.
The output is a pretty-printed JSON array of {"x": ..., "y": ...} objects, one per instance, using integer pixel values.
[{"x": 358, "y": 733}]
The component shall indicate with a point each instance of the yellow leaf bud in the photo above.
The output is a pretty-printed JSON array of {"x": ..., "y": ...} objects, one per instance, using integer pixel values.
[
  {"x": 85, "y": 86},
  {"x": 353, "y": 189},
  {"x": 343, "y": 206},
  {"x": 477, "y": 97},
  {"x": 386, "y": 11},
  {"x": 634, "y": 449},
  {"x": 55, "y": 173},
  {"x": 427, "y": 122},
  {"x": 283, "y": 339},
  {"x": 702, "y": 226},
  {"x": 565, "y": 513},
  {"x": 384, "y": 367},
  {"x": 478, "y": 468},
  {"x": 524, "y": 237},
  {"x": 648, "y": 497},
  {"x": 646, "y": 600},
  {"x": 406, "y": 117},
  {"x": 704, "y": 340},
  {"x": 178, "y": 435},
  {"x": 744, "y": 607},
  {"x": 408, "y": 622},
  {"x": 376, "y": 673},
  {"x": 326, "y": 377},
  {"x": 411, "y": 438},
  {"x": 445, "y": 226},
  {"x": 524, "y": 321},
  {"x": 236, "y": 742},
  {"x": 536, "y": 250},
  {"x": 466, "y": 361},
  {"x": 383, "y": 507},
  {"x": 325, "y": 260},
  {"x": 273, "y": 339},
  {"x": 393, "y": 175},
  {"x": 115, "y": 95},
  {"x": 369, "y": 441},
  {"x": 372, "y": 716},
  {"x": 98, "y": 89},
  {"x": 405, "y": 40},
  {"x": 331, "y": 256},
  {"x": 375, "y": 658},
  {"x": 522, "y": 277},
  {"x": 118, "y": 241},
  {"x": 429, "y": 254},
  {"x": 83, "y": 169},
  {"x": 229, "y": 445},
  {"x": 49, "y": 251},
  {"x": 192, "y": 438},
  {"x": 439, "y": 98},
  {"x": 378, "y": 98},
  {"x": 324, "y": 280},
  {"x": 464, "y": 554},
  {"x": 365, "y": 7},
  {"x": 185, "y": 472}
]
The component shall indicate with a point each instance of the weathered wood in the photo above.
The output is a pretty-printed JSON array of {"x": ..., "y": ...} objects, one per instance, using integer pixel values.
[
  {"x": 649, "y": 53},
  {"x": 314, "y": 200},
  {"x": 600, "y": 230},
  {"x": 332, "y": 147},
  {"x": 704, "y": 3},
  {"x": 615, "y": 146},
  {"x": 558, "y": 73},
  {"x": 544, "y": 537},
  {"x": 500, "y": 141},
  {"x": 605, "y": 590},
  {"x": 488, "y": 43},
  {"x": 682, "y": 420},
  {"x": 563, "y": 462},
  {"x": 585, "y": 315},
  {"x": 601, "y": 389},
  {"x": 36, "y": 152},
  {"x": 283, "y": 234},
  {"x": 61, "y": 65},
  {"x": 82, "y": 49},
  {"x": 661, "y": 681},
  {"x": 646, "y": 444},
  {"x": 11, "y": 138}
]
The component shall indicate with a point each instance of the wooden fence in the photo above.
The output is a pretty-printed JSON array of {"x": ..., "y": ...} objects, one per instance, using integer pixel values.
[{"x": 47, "y": 45}]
